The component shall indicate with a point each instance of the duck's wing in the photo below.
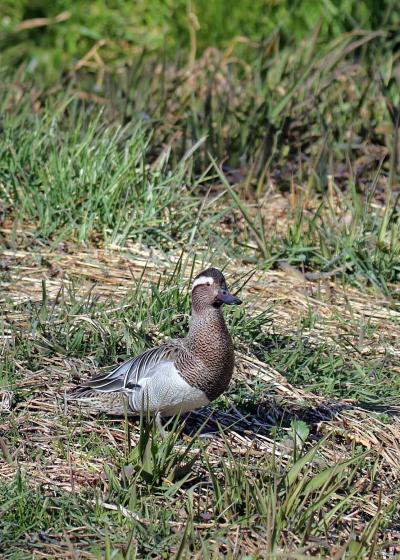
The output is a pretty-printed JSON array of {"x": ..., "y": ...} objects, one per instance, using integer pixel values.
[{"x": 129, "y": 374}]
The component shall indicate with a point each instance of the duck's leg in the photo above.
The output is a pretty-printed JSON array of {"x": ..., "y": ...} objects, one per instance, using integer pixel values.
[{"x": 160, "y": 427}]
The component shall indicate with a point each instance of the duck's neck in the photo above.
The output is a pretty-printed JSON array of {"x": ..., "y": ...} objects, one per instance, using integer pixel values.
[{"x": 209, "y": 340}]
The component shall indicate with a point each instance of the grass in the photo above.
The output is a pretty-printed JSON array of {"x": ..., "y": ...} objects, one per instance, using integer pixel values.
[
  {"x": 140, "y": 144},
  {"x": 115, "y": 479},
  {"x": 73, "y": 180},
  {"x": 89, "y": 182},
  {"x": 270, "y": 506}
]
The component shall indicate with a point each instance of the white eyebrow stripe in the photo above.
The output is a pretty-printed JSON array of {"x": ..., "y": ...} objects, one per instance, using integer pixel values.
[{"x": 202, "y": 280}]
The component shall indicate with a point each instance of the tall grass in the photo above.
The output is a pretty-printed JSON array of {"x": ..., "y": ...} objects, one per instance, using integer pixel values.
[
  {"x": 49, "y": 37},
  {"x": 75, "y": 178},
  {"x": 144, "y": 167}
]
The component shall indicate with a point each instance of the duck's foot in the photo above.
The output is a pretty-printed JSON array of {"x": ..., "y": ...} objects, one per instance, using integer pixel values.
[{"x": 160, "y": 427}]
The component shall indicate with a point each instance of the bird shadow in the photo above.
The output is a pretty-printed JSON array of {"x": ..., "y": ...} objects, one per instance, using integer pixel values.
[{"x": 269, "y": 415}]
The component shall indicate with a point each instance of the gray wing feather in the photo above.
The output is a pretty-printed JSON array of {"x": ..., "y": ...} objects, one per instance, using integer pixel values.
[{"x": 130, "y": 372}]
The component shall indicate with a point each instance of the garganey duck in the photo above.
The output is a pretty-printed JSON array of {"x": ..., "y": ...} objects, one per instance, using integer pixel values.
[{"x": 179, "y": 376}]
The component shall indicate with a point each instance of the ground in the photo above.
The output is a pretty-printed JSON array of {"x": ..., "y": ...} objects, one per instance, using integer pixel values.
[{"x": 334, "y": 491}]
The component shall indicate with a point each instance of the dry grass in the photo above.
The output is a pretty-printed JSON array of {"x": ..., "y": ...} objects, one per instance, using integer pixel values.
[{"x": 41, "y": 418}]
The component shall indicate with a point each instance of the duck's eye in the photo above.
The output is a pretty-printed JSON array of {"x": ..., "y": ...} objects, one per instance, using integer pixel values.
[{"x": 208, "y": 284}]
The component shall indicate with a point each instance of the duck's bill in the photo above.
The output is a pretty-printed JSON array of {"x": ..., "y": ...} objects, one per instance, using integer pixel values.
[{"x": 226, "y": 297}]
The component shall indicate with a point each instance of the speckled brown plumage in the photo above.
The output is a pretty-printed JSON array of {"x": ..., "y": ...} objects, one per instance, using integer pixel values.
[{"x": 210, "y": 341}]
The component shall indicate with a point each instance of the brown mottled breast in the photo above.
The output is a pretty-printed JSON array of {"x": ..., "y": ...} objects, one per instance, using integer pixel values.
[{"x": 209, "y": 341}]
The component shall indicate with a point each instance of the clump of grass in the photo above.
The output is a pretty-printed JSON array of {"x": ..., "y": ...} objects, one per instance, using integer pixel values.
[
  {"x": 26, "y": 512},
  {"x": 85, "y": 180}
]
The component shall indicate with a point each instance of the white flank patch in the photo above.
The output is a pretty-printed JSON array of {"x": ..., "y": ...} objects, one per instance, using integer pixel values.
[
  {"x": 201, "y": 280},
  {"x": 165, "y": 390}
]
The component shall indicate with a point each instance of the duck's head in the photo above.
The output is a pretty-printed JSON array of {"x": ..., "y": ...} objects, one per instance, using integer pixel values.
[{"x": 209, "y": 289}]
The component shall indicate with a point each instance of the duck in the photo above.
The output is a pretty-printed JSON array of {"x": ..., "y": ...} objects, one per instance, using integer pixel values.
[{"x": 179, "y": 376}]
